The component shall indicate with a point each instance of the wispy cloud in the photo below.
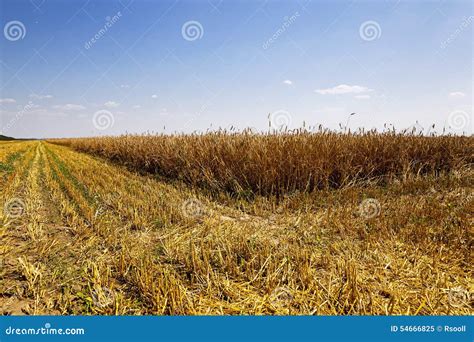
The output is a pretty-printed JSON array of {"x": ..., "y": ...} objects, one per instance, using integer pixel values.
[
  {"x": 7, "y": 100},
  {"x": 137, "y": 107},
  {"x": 124, "y": 86},
  {"x": 288, "y": 82},
  {"x": 154, "y": 96},
  {"x": 362, "y": 97},
  {"x": 111, "y": 104},
  {"x": 34, "y": 105},
  {"x": 343, "y": 89},
  {"x": 69, "y": 107},
  {"x": 40, "y": 97},
  {"x": 457, "y": 94},
  {"x": 38, "y": 110}
]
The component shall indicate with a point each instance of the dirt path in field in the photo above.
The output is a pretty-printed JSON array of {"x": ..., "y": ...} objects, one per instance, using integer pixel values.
[
  {"x": 13, "y": 238},
  {"x": 37, "y": 243},
  {"x": 44, "y": 264}
]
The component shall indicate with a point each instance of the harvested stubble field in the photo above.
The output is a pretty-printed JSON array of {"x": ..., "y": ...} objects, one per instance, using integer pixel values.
[{"x": 237, "y": 224}]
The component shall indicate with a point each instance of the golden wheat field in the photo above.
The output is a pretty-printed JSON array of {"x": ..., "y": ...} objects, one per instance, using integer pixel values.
[{"x": 231, "y": 224}]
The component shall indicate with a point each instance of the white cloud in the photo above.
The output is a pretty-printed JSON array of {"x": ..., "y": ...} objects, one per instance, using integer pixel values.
[
  {"x": 69, "y": 107},
  {"x": 288, "y": 82},
  {"x": 38, "y": 111},
  {"x": 40, "y": 97},
  {"x": 343, "y": 89},
  {"x": 362, "y": 97},
  {"x": 457, "y": 94},
  {"x": 124, "y": 86},
  {"x": 154, "y": 96},
  {"x": 137, "y": 107},
  {"x": 7, "y": 100},
  {"x": 111, "y": 104}
]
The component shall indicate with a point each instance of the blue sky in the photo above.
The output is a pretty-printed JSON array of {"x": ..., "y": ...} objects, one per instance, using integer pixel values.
[{"x": 391, "y": 62}]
